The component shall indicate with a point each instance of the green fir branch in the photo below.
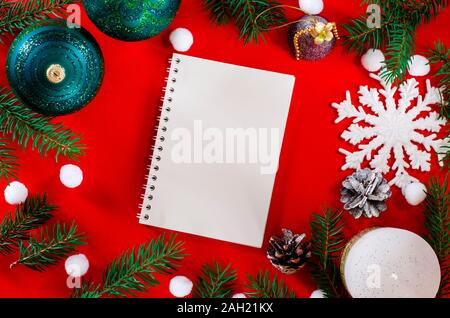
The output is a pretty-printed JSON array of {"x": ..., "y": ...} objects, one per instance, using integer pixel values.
[
  {"x": 134, "y": 270},
  {"x": 245, "y": 14},
  {"x": 4, "y": 5},
  {"x": 20, "y": 14},
  {"x": 49, "y": 248},
  {"x": 417, "y": 12},
  {"x": 29, "y": 127},
  {"x": 361, "y": 37},
  {"x": 440, "y": 55},
  {"x": 15, "y": 227},
  {"x": 445, "y": 151},
  {"x": 398, "y": 53},
  {"x": 327, "y": 243},
  {"x": 219, "y": 11},
  {"x": 399, "y": 20},
  {"x": 8, "y": 161},
  {"x": 215, "y": 282},
  {"x": 262, "y": 286},
  {"x": 437, "y": 222},
  {"x": 88, "y": 289}
]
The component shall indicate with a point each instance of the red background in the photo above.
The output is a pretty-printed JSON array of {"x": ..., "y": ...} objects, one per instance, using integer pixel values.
[{"x": 118, "y": 126}]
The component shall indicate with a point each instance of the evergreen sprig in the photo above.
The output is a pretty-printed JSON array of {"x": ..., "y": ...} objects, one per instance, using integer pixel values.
[
  {"x": 134, "y": 270},
  {"x": 244, "y": 14},
  {"x": 399, "y": 20},
  {"x": 5, "y": 4},
  {"x": 327, "y": 243},
  {"x": 262, "y": 286},
  {"x": 19, "y": 14},
  {"x": 215, "y": 281},
  {"x": 440, "y": 55},
  {"x": 398, "y": 51},
  {"x": 219, "y": 10},
  {"x": 437, "y": 222},
  {"x": 35, "y": 211},
  {"x": 49, "y": 247},
  {"x": 8, "y": 161},
  {"x": 446, "y": 151},
  {"x": 27, "y": 127}
]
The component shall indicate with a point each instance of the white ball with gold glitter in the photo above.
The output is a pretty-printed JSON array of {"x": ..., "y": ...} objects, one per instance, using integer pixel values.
[
  {"x": 239, "y": 295},
  {"x": 181, "y": 39},
  {"x": 16, "y": 193},
  {"x": 390, "y": 263},
  {"x": 415, "y": 193},
  {"x": 373, "y": 60},
  {"x": 311, "y": 7}
]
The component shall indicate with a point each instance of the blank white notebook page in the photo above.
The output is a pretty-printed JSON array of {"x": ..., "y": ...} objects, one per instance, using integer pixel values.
[{"x": 217, "y": 148}]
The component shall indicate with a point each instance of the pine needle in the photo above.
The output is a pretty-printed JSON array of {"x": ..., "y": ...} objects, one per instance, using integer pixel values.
[
  {"x": 437, "y": 222},
  {"x": 399, "y": 51},
  {"x": 49, "y": 248},
  {"x": 5, "y": 4},
  {"x": 14, "y": 228},
  {"x": 219, "y": 11},
  {"x": 134, "y": 270},
  {"x": 440, "y": 55},
  {"x": 215, "y": 282},
  {"x": 327, "y": 243},
  {"x": 19, "y": 14},
  {"x": 28, "y": 127},
  {"x": 8, "y": 161},
  {"x": 361, "y": 36},
  {"x": 244, "y": 13},
  {"x": 446, "y": 151},
  {"x": 262, "y": 286}
]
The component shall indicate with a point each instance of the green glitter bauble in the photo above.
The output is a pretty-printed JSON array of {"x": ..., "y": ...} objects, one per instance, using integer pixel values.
[
  {"x": 54, "y": 69},
  {"x": 131, "y": 20}
]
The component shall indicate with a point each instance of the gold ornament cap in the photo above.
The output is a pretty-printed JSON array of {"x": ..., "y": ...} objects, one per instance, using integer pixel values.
[{"x": 56, "y": 73}]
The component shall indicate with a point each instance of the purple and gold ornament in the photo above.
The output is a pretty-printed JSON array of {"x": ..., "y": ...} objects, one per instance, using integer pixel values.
[{"x": 312, "y": 37}]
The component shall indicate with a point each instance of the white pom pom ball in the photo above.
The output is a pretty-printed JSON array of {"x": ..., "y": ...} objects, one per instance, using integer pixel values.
[
  {"x": 373, "y": 60},
  {"x": 181, "y": 39},
  {"x": 239, "y": 295},
  {"x": 311, "y": 6},
  {"x": 415, "y": 193},
  {"x": 71, "y": 176},
  {"x": 418, "y": 66},
  {"x": 16, "y": 193},
  {"x": 318, "y": 293},
  {"x": 76, "y": 265},
  {"x": 180, "y": 286}
]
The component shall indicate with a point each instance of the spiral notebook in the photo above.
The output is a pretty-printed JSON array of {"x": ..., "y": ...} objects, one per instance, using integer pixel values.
[{"x": 216, "y": 150}]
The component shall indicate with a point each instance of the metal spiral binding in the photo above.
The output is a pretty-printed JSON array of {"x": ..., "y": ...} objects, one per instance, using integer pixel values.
[{"x": 159, "y": 139}]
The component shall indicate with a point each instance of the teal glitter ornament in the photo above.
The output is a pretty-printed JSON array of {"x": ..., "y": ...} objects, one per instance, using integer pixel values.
[
  {"x": 54, "y": 69},
  {"x": 131, "y": 20}
]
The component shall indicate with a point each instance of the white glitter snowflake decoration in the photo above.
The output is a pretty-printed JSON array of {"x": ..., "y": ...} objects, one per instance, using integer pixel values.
[{"x": 381, "y": 130}]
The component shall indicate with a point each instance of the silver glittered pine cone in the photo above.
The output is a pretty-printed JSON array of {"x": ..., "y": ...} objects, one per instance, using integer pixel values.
[
  {"x": 289, "y": 252},
  {"x": 365, "y": 193}
]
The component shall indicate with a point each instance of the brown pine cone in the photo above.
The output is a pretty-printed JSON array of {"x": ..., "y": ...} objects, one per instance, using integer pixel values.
[{"x": 288, "y": 253}]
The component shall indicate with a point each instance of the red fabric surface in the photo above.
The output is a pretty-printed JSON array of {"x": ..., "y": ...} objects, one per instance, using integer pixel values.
[{"x": 118, "y": 127}]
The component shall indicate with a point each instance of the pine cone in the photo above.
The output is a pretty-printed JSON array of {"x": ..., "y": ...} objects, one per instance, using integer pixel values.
[
  {"x": 365, "y": 192},
  {"x": 288, "y": 253}
]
